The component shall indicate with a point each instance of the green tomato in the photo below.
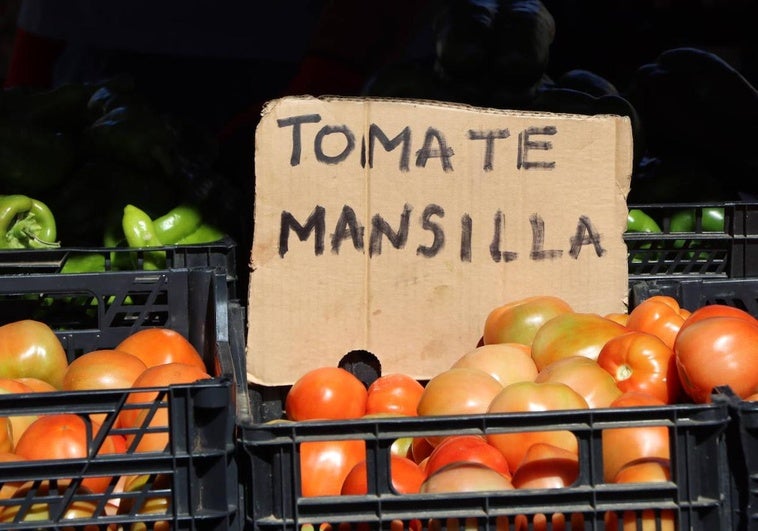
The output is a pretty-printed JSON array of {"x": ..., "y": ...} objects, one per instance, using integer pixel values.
[{"x": 685, "y": 220}]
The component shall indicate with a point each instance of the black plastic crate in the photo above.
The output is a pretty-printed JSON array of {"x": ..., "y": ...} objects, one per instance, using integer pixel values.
[
  {"x": 731, "y": 253},
  {"x": 698, "y": 494},
  {"x": 743, "y": 453},
  {"x": 220, "y": 256},
  {"x": 693, "y": 293},
  {"x": 196, "y": 475}
]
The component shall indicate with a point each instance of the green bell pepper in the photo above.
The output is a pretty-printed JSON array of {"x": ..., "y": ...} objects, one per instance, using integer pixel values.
[
  {"x": 711, "y": 220},
  {"x": 686, "y": 220},
  {"x": 26, "y": 223},
  {"x": 639, "y": 221}
]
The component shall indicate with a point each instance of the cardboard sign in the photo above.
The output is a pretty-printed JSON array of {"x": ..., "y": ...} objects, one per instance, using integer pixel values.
[{"x": 396, "y": 226}]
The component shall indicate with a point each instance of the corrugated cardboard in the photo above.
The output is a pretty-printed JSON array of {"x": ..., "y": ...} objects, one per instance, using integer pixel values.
[{"x": 396, "y": 226}]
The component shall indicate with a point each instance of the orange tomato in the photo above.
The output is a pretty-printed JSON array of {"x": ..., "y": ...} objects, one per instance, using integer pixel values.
[
  {"x": 639, "y": 361},
  {"x": 394, "y": 393},
  {"x": 557, "y": 522},
  {"x": 573, "y": 334},
  {"x": 157, "y": 346},
  {"x": 9, "y": 487},
  {"x": 324, "y": 465},
  {"x": 545, "y": 466},
  {"x": 326, "y": 393},
  {"x": 156, "y": 376},
  {"x": 659, "y": 315},
  {"x": 35, "y": 384},
  {"x": 532, "y": 396},
  {"x": 517, "y": 321},
  {"x": 622, "y": 446},
  {"x": 102, "y": 369},
  {"x": 717, "y": 351},
  {"x": 6, "y": 435},
  {"x": 16, "y": 424},
  {"x": 643, "y": 471},
  {"x": 405, "y": 475},
  {"x": 457, "y": 391},
  {"x": 507, "y": 362},
  {"x": 64, "y": 436},
  {"x": 620, "y": 318},
  {"x": 585, "y": 376}
]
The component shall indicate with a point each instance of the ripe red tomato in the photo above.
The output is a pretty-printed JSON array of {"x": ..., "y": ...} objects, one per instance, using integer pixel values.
[
  {"x": 394, "y": 393},
  {"x": 585, "y": 376},
  {"x": 532, "y": 396},
  {"x": 507, "y": 362},
  {"x": 156, "y": 346},
  {"x": 659, "y": 315},
  {"x": 643, "y": 471},
  {"x": 156, "y": 376},
  {"x": 545, "y": 466},
  {"x": 465, "y": 476},
  {"x": 324, "y": 465},
  {"x": 326, "y": 393},
  {"x": 717, "y": 310},
  {"x": 471, "y": 448},
  {"x": 639, "y": 361},
  {"x": 406, "y": 477},
  {"x": 573, "y": 334},
  {"x": 30, "y": 348},
  {"x": 517, "y": 321},
  {"x": 717, "y": 351},
  {"x": 64, "y": 436},
  {"x": 622, "y": 446}
]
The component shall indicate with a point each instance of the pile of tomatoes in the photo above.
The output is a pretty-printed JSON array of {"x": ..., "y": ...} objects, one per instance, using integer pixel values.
[
  {"x": 536, "y": 354},
  {"x": 33, "y": 359}
]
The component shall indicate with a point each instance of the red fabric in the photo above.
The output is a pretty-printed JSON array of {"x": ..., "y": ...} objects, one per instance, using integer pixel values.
[{"x": 32, "y": 60}]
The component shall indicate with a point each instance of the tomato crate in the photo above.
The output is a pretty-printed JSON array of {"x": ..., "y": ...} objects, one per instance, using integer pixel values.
[
  {"x": 698, "y": 496},
  {"x": 191, "y": 482},
  {"x": 742, "y": 445},
  {"x": 691, "y": 244},
  {"x": 693, "y": 293}
]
